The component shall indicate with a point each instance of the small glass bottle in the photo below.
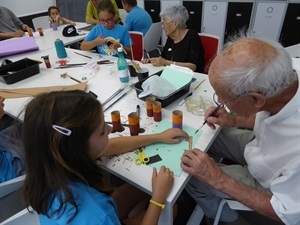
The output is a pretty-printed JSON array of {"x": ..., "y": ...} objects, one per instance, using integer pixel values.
[{"x": 122, "y": 67}]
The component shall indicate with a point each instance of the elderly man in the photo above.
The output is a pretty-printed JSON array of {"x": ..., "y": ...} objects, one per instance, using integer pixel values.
[
  {"x": 10, "y": 25},
  {"x": 255, "y": 80}
]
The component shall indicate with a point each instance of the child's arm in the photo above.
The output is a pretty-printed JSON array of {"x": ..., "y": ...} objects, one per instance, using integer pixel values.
[
  {"x": 88, "y": 45},
  {"x": 162, "y": 182},
  {"x": 92, "y": 21},
  {"x": 67, "y": 21},
  {"x": 129, "y": 143}
]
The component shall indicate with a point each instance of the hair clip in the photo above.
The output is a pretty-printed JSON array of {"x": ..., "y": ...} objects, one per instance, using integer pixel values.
[{"x": 62, "y": 130}]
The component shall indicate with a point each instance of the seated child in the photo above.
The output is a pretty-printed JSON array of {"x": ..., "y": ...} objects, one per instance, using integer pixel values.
[
  {"x": 107, "y": 36},
  {"x": 64, "y": 183},
  {"x": 55, "y": 17}
]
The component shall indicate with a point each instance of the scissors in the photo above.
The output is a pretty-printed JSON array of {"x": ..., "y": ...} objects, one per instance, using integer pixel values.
[{"x": 141, "y": 157}]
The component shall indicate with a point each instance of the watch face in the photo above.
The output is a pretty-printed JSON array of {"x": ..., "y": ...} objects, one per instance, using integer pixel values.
[{"x": 108, "y": 47}]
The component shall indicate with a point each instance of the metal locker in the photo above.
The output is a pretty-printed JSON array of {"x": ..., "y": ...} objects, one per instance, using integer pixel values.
[
  {"x": 195, "y": 12},
  {"x": 153, "y": 8},
  {"x": 290, "y": 33},
  {"x": 140, "y": 3},
  {"x": 268, "y": 19},
  {"x": 238, "y": 17},
  {"x": 214, "y": 17}
]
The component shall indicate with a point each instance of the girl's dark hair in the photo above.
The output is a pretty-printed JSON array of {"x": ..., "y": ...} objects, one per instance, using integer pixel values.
[
  {"x": 55, "y": 161},
  {"x": 106, "y": 5},
  {"x": 52, "y": 7}
]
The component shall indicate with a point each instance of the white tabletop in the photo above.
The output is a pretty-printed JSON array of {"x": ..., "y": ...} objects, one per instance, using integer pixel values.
[
  {"x": 140, "y": 175},
  {"x": 104, "y": 83},
  {"x": 47, "y": 41}
]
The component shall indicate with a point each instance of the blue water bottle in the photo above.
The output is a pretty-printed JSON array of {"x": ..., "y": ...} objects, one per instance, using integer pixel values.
[
  {"x": 60, "y": 49},
  {"x": 122, "y": 67}
]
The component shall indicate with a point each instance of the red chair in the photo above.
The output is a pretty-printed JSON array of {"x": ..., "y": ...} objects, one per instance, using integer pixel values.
[
  {"x": 137, "y": 45},
  {"x": 211, "y": 48}
]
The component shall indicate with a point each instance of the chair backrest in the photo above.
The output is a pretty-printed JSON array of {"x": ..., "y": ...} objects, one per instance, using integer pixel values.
[
  {"x": 12, "y": 185},
  {"x": 152, "y": 37},
  {"x": 137, "y": 44},
  {"x": 211, "y": 48},
  {"x": 23, "y": 217},
  {"x": 41, "y": 21},
  {"x": 123, "y": 15}
]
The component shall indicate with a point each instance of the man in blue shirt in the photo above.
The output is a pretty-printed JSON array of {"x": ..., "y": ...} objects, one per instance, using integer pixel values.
[{"x": 137, "y": 18}]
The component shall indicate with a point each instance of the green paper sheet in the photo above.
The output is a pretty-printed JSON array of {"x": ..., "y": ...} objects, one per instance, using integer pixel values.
[
  {"x": 170, "y": 153},
  {"x": 178, "y": 78}
]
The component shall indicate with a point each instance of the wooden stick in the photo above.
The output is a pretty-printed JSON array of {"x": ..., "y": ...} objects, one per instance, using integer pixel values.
[
  {"x": 131, "y": 53},
  {"x": 191, "y": 143},
  {"x": 64, "y": 75}
]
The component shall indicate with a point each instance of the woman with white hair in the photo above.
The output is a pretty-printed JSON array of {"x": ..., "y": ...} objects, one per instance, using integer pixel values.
[{"x": 183, "y": 46}]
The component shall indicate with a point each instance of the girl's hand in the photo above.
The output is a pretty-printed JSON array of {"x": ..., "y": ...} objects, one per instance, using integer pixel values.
[
  {"x": 100, "y": 40},
  {"x": 162, "y": 182},
  {"x": 115, "y": 45},
  {"x": 173, "y": 136},
  {"x": 57, "y": 19},
  {"x": 145, "y": 61}
]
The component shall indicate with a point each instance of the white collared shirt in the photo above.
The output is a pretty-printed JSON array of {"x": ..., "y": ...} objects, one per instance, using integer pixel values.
[{"x": 273, "y": 158}]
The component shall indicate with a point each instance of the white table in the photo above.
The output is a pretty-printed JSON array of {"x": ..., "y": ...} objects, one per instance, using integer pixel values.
[
  {"x": 140, "y": 175},
  {"x": 47, "y": 41},
  {"x": 104, "y": 83}
]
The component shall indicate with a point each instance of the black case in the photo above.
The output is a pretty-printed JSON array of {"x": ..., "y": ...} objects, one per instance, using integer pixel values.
[{"x": 19, "y": 70}]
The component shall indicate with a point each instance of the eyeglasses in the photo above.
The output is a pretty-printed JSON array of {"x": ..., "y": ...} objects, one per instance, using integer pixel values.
[
  {"x": 108, "y": 20},
  {"x": 222, "y": 105},
  {"x": 166, "y": 22}
]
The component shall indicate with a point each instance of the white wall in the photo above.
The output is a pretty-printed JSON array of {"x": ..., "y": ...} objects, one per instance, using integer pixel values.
[{"x": 27, "y": 7}]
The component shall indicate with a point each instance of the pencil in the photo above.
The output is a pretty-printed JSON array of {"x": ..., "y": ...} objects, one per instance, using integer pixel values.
[{"x": 83, "y": 55}]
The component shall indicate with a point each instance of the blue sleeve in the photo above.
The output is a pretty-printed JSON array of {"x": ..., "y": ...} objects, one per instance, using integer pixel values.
[
  {"x": 128, "y": 22},
  {"x": 94, "y": 33}
]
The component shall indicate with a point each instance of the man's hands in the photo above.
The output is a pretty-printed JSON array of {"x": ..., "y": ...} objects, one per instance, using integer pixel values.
[
  {"x": 221, "y": 117},
  {"x": 204, "y": 168}
]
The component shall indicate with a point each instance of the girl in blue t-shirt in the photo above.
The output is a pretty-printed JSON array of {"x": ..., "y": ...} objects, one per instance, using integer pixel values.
[
  {"x": 64, "y": 136},
  {"x": 107, "y": 36}
]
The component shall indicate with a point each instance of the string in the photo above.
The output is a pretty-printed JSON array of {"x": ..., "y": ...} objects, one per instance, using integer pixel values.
[{"x": 131, "y": 49}]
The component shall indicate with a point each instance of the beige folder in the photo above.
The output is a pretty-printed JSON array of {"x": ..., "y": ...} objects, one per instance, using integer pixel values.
[{"x": 29, "y": 92}]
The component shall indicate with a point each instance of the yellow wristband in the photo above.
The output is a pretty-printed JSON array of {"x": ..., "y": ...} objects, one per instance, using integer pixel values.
[{"x": 162, "y": 206}]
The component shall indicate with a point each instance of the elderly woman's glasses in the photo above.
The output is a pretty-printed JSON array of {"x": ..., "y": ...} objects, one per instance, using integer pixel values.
[
  {"x": 222, "y": 105},
  {"x": 166, "y": 22}
]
